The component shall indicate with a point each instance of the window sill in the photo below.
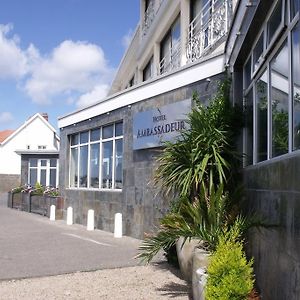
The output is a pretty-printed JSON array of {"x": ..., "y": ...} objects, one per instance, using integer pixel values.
[{"x": 93, "y": 189}]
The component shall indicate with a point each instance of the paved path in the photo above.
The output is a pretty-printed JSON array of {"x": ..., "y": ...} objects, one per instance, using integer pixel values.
[{"x": 34, "y": 246}]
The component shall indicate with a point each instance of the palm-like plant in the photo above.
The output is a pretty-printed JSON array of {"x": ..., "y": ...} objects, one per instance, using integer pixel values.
[
  {"x": 198, "y": 167},
  {"x": 201, "y": 219},
  {"x": 203, "y": 154}
]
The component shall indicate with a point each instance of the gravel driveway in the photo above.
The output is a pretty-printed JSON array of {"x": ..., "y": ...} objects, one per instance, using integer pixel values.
[{"x": 153, "y": 282}]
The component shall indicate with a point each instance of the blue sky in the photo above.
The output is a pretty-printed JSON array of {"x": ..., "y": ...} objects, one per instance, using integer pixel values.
[{"x": 59, "y": 55}]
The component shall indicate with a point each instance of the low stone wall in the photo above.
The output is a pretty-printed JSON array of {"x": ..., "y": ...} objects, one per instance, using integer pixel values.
[
  {"x": 36, "y": 204},
  {"x": 8, "y": 182},
  {"x": 273, "y": 191}
]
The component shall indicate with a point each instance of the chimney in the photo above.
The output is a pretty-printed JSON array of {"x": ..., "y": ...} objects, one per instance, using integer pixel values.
[{"x": 45, "y": 116}]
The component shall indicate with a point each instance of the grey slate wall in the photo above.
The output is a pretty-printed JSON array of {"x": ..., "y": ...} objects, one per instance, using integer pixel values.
[
  {"x": 138, "y": 201},
  {"x": 273, "y": 190}
]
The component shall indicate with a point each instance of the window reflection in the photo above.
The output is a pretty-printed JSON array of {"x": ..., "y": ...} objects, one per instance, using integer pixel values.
[
  {"x": 279, "y": 94},
  {"x": 94, "y": 165},
  {"x": 296, "y": 85},
  {"x": 74, "y": 167},
  {"x": 83, "y": 163},
  {"x": 262, "y": 117},
  {"x": 119, "y": 169},
  {"x": 249, "y": 127},
  {"x": 107, "y": 165},
  {"x": 274, "y": 21}
]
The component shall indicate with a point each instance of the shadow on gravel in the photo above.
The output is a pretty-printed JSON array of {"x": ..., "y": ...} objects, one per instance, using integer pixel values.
[{"x": 174, "y": 290}]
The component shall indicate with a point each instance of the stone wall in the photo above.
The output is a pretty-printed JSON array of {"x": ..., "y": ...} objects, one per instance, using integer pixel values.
[
  {"x": 273, "y": 191},
  {"x": 139, "y": 202},
  {"x": 8, "y": 182}
]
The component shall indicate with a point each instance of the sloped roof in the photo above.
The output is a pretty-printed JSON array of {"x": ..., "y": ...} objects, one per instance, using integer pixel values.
[
  {"x": 5, "y": 134},
  {"x": 30, "y": 120}
]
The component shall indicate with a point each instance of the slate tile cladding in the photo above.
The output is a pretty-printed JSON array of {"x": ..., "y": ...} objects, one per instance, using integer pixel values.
[
  {"x": 273, "y": 191},
  {"x": 138, "y": 201}
]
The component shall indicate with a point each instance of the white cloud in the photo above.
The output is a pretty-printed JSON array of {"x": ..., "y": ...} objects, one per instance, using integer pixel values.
[
  {"x": 126, "y": 39},
  {"x": 73, "y": 70},
  {"x": 6, "y": 117},
  {"x": 98, "y": 93},
  {"x": 71, "y": 67},
  {"x": 13, "y": 61}
]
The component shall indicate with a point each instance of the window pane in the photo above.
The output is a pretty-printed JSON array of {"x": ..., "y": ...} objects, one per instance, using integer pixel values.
[
  {"x": 148, "y": 70},
  {"x": 43, "y": 177},
  {"x": 53, "y": 162},
  {"x": 43, "y": 162},
  {"x": 95, "y": 135},
  {"x": 33, "y": 162},
  {"x": 84, "y": 137},
  {"x": 74, "y": 168},
  {"x": 249, "y": 127},
  {"x": 52, "y": 180},
  {"x": 33, "y": 177},
  {"x": 257, "y": 52},
  {"x": 74, "y": 139},
  {"x": 295, "y": 5},
  {"x": 107, "y": 164},
  {"x": 108, "y": 131},
  {"x": 119, "y": 169},
  {"x": 247, "y": 73},
  {"x": 296, "y": 84},
  {"x": 279, "y": 94},
  {"x": 274, "y": 21},
  {"x": 119, "y": 129},
  {"x": 83, "y": 166},
  {"x": 262, "y": 117},
  {"x": 94, "y": 165}
]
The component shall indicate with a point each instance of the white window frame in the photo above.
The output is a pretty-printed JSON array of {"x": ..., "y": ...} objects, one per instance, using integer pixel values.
[
  {"x": 39, "y": 168},
  {"x": 101, "y": 141}
]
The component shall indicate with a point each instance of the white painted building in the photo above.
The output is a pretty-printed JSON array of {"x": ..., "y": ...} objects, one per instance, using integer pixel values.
[{"x": 36, "y": 137}]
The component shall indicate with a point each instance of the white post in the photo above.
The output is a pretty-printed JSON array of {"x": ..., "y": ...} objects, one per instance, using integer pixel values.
[
  {"x": 52, "y": 213},
  {"x": 90, "y": 219},
  {"x": 118, "y": 226},
  {"x": 70, "y": 216}
]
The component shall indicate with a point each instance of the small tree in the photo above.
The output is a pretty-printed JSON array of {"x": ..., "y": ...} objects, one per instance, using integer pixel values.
[{"x": 230, "y": 275}]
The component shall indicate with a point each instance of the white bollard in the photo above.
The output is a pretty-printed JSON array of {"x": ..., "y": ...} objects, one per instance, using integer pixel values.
[
  {"x": 90, "y": 220},
  {"x": 118, "y": 226},
  {"x": 52, "y": 213},
  {"x": 70, "y": 216}
]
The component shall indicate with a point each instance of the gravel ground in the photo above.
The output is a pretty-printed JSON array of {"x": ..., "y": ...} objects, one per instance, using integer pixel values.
[{"x": 152, "y": 282}]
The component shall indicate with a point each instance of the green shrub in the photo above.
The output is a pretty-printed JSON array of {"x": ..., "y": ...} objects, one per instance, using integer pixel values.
[{"x": 230, "y": 275}]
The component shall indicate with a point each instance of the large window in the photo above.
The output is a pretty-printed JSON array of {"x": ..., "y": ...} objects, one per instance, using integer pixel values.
[
  {"x": 170, "y": 48},
  {"x": 272, "y": 84},
  {"x": 43, "y": 171},
  {"x": 296, "y": 85},
  {"x": 96, "y": 158}
]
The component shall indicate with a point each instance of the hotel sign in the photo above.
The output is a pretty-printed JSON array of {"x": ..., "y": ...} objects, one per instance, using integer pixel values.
[{"x": 153, "y": 127}]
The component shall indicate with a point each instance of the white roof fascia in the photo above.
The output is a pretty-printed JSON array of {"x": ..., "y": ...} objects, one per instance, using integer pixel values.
[
  {"x": 37, "y": 115},
  {"x": 40, "y": 152},
  {"x": 186, "y": 75}
]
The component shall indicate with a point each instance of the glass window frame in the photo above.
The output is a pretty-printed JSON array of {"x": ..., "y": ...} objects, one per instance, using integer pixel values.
[
  {"x": 101, "y": 142},
  {"x": 39, "y": 167},
  {"x": 270, "y": 53}
]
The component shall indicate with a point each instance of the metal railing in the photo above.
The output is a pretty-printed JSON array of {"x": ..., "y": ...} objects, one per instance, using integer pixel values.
[
  {"x": 172, "y": 60},
  {"x": 208, "y": 27}
]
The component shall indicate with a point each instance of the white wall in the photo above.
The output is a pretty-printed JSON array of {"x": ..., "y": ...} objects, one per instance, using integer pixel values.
[{"x": 34, "y": 134}]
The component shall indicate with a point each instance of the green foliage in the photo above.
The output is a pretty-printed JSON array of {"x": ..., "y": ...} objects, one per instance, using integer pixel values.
[
  {"x": 16, "y": 190},
  {"x": 200, "y": 220},
  {"x": 230, "y": 275},
  {"x": 38, "y": 189},
  {"x": 203, "y": 155}
]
